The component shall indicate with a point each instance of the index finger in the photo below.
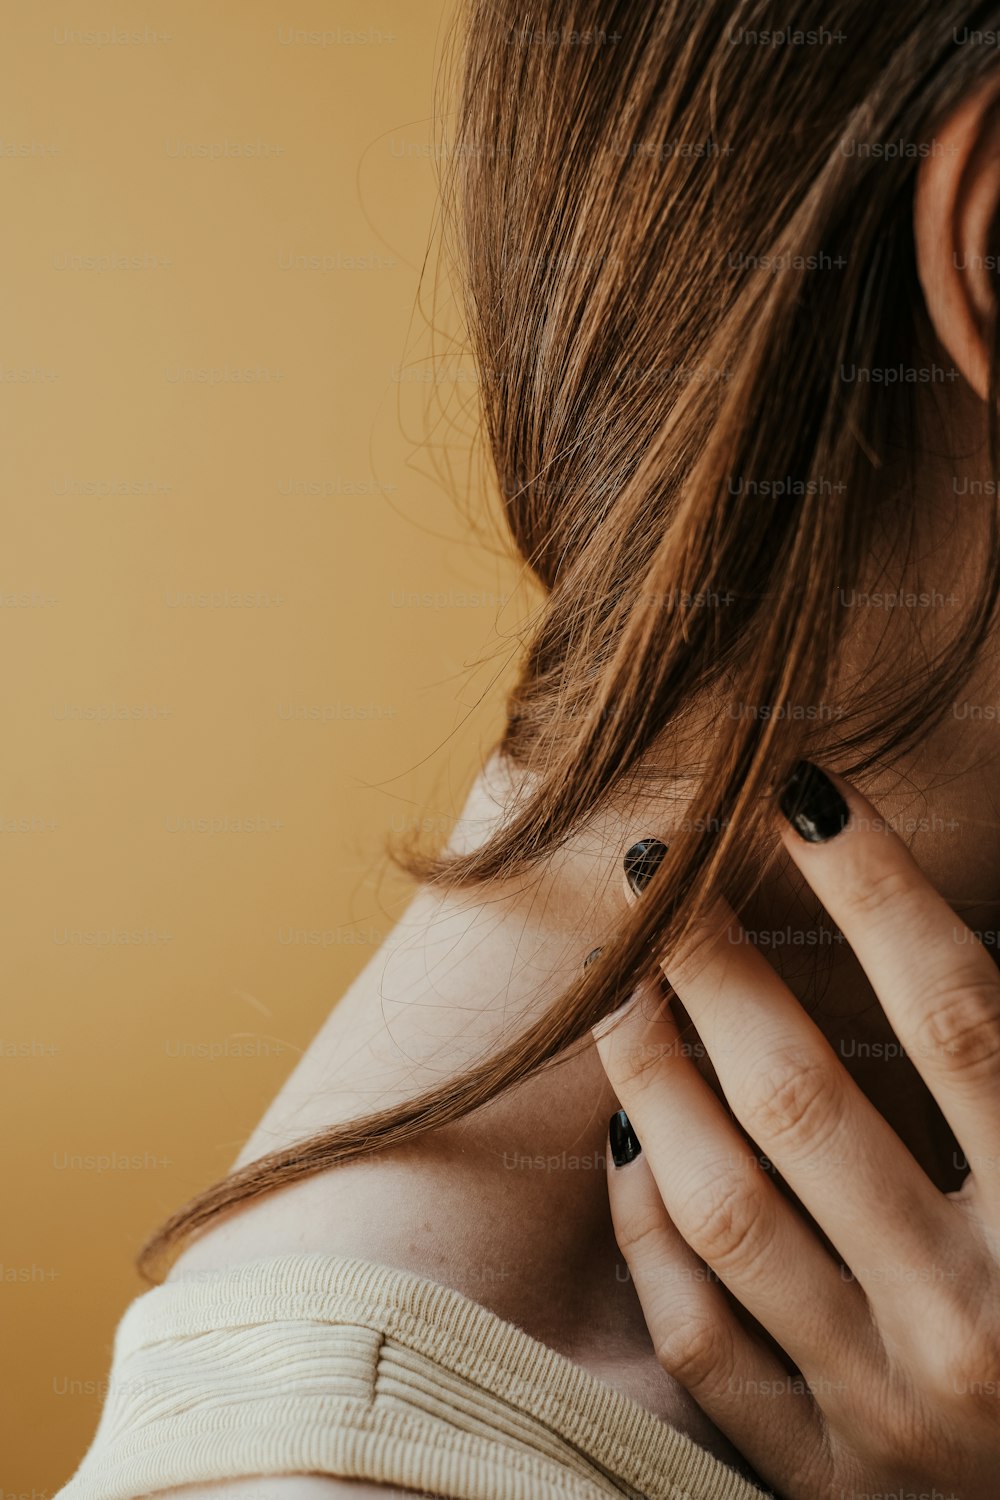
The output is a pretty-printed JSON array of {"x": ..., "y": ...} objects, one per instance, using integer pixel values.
[{"x": 937, "y": 984}]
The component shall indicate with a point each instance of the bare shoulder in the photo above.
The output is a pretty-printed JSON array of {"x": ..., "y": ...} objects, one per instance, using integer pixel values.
[{"x": 291, "y": 1487}]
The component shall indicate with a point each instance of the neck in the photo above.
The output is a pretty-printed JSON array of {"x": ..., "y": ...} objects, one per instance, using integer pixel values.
[
  {"x": 941, "y": 799},
  {"x": 520, "y": 1184},
  {"x": 466, "y": 969},
  {"x": 509, "y": 1206}
]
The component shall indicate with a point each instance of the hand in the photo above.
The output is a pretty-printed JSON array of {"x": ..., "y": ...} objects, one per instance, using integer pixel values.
[{"x": 898, "y": 1390}]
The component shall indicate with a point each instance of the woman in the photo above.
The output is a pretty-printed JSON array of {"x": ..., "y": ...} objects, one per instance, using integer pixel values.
[{"x": 729, "y": 285}]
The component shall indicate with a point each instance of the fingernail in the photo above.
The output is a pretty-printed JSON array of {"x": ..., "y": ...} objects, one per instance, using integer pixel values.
[
  {"x": 812, "y": 804},
  {"x": 642, "y": 862},
  {"x": 625, "y": 1145},
  {"x": 594, "y": 953}
]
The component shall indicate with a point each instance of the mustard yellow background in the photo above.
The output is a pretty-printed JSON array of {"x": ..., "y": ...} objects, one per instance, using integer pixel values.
[{"x": 247, "y": 563}]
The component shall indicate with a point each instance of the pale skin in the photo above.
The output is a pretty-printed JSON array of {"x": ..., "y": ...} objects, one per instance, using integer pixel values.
[
  {"x": 900, "y": 1360},
  {"x": 466, "y": 1203}
]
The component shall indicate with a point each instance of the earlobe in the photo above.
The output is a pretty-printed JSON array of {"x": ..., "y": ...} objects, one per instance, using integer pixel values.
[{"x": 956, "y": 204}]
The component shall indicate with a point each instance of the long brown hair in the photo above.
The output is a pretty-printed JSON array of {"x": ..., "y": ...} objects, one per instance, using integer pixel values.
[{"x": 647, "y": 391}]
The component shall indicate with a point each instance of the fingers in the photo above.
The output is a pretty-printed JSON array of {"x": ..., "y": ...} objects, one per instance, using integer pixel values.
[
  {"x": 857, "y": 1343},
  {"x": 939, "y": 987},
  {"x": 727, "y": 1210},
  {"x": 766, "y": 1413},
  {"x": 795, "y": 1098}
]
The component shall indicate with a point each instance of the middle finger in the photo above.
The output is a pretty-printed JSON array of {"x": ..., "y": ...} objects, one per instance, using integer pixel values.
[
  {"x": 726, "y": 1208},
  {"x": 795, "y": 1098}
]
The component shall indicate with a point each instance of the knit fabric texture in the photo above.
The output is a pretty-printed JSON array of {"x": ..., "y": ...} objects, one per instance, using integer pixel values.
[{"x": 331, "y": 1365}]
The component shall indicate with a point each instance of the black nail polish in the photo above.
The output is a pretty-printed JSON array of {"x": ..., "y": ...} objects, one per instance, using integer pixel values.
[
  {"x": 642, "y": 862},
  {"x": 625, "y": 1145},
  {"x": 594, "y": 954},
  {"x": 812, "y": 804}
]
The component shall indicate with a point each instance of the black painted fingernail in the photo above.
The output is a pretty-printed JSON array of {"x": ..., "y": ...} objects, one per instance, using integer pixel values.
[
  {"x": 812, "y": 804},
  {"x": 625, "y": 1145},
  {"x": 642, "y": 862},
  {"x": 594, "y": 954}
]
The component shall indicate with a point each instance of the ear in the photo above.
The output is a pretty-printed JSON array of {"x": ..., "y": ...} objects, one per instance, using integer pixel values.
[{"x": 956, "y": 202}]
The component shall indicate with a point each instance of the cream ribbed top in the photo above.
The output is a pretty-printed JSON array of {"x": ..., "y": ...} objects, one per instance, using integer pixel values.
[{"x": 324, "y": 1364}]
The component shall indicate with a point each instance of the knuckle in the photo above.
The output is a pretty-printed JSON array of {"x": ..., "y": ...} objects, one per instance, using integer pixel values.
[
  {"x": 968, "y": 1368},
  {"x": 697, "y": 1351},
  {"x": 955, "y": 1345},
  {"x": 877, "y": 891},
  {"x": 642, "y": 1065},
  {"x": 959, "y": 1030},
  {"x": 727, "y": 1220},
  {"x": 959, "y": 1341},
  {"x": 638, "y": 1232},
  {"x": 640, "y": 1054},
  {"x": 796, "y": 1096},
  {"x": 898, "y": 1428}
]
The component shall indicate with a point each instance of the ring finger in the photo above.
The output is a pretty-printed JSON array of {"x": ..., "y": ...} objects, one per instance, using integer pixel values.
[
  {"x": 726, "y": 1208},
  {"x": 795, "y": 1098},
  {"x": 769, "y": 1416}
]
